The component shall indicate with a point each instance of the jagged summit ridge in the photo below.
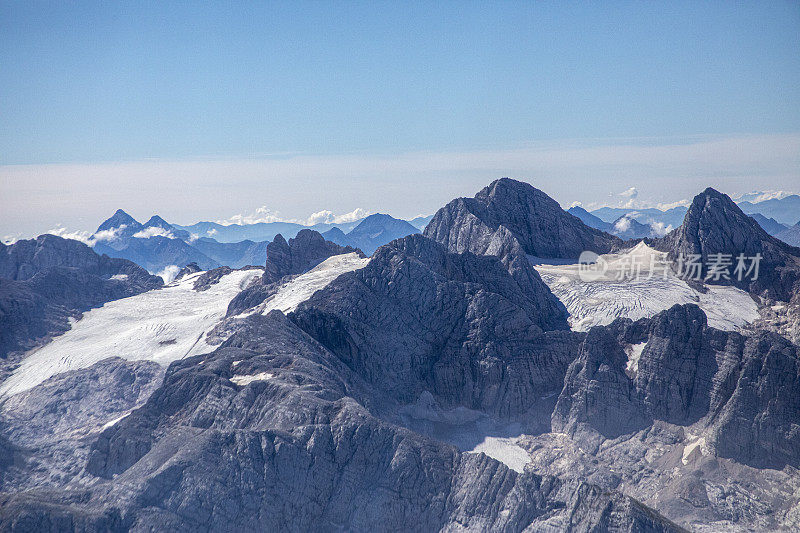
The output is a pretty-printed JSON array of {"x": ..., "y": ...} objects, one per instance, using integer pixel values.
[
  {"x": 715, "y": 225},
  {"x": 532, "y": 218},
  {"x": 300, "y": 254},
  {"x": 119, "y": 219}
]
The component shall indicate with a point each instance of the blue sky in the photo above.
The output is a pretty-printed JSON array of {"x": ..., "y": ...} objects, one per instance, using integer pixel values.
[{"x": 99, "y": 86}]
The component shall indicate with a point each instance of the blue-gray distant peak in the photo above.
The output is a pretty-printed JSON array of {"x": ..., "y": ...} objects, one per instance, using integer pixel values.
[
  {"x": 118, "y": 219},
  {"x": 157, "y": 222}
]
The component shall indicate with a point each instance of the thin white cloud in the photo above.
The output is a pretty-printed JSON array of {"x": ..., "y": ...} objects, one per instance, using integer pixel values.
[
  {"x": 672, "y": 205},
  {"x": 622, "y": 225},
  {"x": 111, "y": 234},
  {"x": 401, "y": 184},
  {"x": 659, "y": 229},
  {"x": 762, "y": 196},
  {"x": 83, "y": 236},
  {"x": 631, "y": 192},
  {"x": 86, "y": 237},
  {"x": 169, "y": 273},
  {"x": 153, "y": 231},
  {"x": 265, "y": 215},
  {"x": 328, "y": 217},
  {"x": 262, "y": 214}
]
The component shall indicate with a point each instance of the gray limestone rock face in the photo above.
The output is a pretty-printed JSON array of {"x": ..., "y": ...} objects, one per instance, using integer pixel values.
[
  {"x": 598, "y": 396},
  {"x": 511, "y": 208},
  {"x": 742, "y": 391},
  {"x": 300, "y": 254},
  {"x": 284, "y": 260},
  {"x": 205, "y": 280},
  {"x": 714, "y": 224},
  {"x": 274, "y": 432},
  {"x": 418, "y": 318}
]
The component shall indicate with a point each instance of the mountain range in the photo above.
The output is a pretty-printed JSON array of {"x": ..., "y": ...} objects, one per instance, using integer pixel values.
[
  {"x": 775, "y": 215},
  {"x": 439, "y": 383},
  {"x": 157, "y": 245}
]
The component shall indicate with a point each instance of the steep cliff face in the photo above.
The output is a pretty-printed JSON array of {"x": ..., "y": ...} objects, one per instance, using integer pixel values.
[
  {"x": 508, "y": 209},
  {"x": 420, "y": 318},
  {"x": 738, "y": 390},
  {"x": 714, "y": 224},
  {"x": 270, "y": 429}
]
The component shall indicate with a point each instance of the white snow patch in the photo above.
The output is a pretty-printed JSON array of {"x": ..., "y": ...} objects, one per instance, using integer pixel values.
[
  {"x": 305, "y": 285},
  {"x": 694, "y": 450},
  {"x": 601, "y": 301},
  {"x": 245, "y": 379},
  {"x": 634, "y": 352},
  {"x": 505, "y": 450},
  {"x": 119, "y": 277},
  {"x": 113, "y": 422},
  {"x": 161, "y": 325}
]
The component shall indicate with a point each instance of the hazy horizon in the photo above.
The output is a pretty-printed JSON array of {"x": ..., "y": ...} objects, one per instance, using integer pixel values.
[{"x": 206, "y": 112}]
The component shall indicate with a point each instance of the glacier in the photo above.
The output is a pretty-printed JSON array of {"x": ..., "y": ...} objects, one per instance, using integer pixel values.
[{"x": 601, "y": 301}]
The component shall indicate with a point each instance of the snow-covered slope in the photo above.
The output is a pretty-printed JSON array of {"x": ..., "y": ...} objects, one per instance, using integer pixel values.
[
  {"x": 616, "y": 293},
  {"x": 162, "y": 325},
  {"x": 303, "y": 286}
]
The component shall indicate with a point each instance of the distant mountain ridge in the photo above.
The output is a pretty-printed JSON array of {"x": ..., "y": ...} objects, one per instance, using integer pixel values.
[
  {"x": 784, "y": 210},
  {"x": 625, "y": 227},
  {"x": 157, "y": 244},
  {"x": 372, "y": 233},
  {"x": 259, "y": 231}
]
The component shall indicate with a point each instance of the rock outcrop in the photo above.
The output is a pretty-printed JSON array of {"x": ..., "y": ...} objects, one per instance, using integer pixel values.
[
  {"x": 300, "y": 254},
  {"x": 713, "y": 225},
  {"x": 418, "y": 318},
  {"x": 741, "y": 391},
  {"x": 508, "y": 209},
  {"x": 512, "y": 220},
  {"x": 46, "y": 281}
]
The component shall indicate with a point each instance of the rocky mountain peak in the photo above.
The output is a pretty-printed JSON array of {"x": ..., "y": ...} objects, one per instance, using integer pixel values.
[
  {"x": 300, "y": 254},
  {"x": 157, "y": 222},
  {"x": 532, "y": 218},
  {"x": 715, "y": 225},
  {"x": 118, "y": 219}
]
